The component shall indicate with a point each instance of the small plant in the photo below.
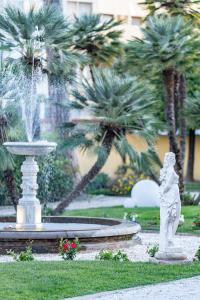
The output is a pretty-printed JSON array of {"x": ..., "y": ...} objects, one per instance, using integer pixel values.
[
  {"x": 120, "y": 256},
  {"x": 68, "y": 250},
  {"x": 110, "y": 255},
  {"x": 197, "y": 255},
  {"x": 26, "y": 255},
  {"x": 130, "y": 217},
  {"x": 189, "y": 199},
  {"x": 152, "y": 250}
]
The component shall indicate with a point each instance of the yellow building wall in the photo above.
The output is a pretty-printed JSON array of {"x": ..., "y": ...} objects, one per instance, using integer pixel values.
[{"x": 87, "y": 159}]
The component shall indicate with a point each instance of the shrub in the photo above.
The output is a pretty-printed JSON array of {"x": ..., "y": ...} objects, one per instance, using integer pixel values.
[
  {"x": 55, "y": 178},
  {"x": 189, "y": 199},
  {"x": 197, "y": 254},
  {"x": 109, "y": 255},
  {"x": 130, "y": 216},
  {"x": 100, "y": 182},
  {"x": 26, "y": 255},
  {"x": 68, "y": 250},
  {"x": 152, "y": 250}
]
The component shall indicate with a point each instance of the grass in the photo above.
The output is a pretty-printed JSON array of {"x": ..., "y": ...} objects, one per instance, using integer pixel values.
[
  {"x": 59, "y": 280},
  {"x": 147, "y": 217}
]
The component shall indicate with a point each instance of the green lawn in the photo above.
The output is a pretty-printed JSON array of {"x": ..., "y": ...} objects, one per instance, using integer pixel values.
[
  {"x": 147, "y": 217},
  {"x": 59, "y": 280}
]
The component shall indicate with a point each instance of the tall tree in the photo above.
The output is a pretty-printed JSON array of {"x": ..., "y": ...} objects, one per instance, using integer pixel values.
[
  {"x": 168, "y": 47},
  {"x": 189, "y": 9},
  {"x": 29, "y": 34},
  {"x": 193, "y": 115},
  {"x": 118, "y": 106}
]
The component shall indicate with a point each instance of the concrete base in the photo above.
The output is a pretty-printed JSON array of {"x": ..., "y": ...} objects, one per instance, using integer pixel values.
[
  {"x": 29, "y": 216},
  {"x": 170, "y": 262}
]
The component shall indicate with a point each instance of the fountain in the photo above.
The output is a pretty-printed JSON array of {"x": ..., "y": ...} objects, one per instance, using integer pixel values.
[
  {"x": 29, "y": 224},
  {"x": 29, "y": 209}
]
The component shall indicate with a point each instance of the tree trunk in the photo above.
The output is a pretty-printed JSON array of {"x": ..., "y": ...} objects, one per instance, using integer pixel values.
[
  {"x": 191, "y": 156},
  {"x": 8, "y": 174},
  {"x": 91, "y": 73},
  {"x": 96, "y": 168},
  {"x": 176, "y": 96},
  {"x": 168, "y": 80},
  {"x": 182, "y": 119},
  {"x": 11, "y": 186}
]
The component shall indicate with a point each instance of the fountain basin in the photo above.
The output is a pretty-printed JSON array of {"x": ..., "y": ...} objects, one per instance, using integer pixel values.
[
  {"x": 30, "y": 148},
  {"x": 93, "y": 233}
]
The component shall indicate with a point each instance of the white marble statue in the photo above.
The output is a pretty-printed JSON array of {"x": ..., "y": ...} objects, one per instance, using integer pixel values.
[{"x": 170, "y": 210}]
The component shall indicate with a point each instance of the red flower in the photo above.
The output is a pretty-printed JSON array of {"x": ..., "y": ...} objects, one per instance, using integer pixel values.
[
  {"x": 66, "y": 245},
  {"x": 73, "y": 245}
]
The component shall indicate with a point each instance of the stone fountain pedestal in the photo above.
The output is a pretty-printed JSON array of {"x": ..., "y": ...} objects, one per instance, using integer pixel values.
[{"x": 29, "y": 209}]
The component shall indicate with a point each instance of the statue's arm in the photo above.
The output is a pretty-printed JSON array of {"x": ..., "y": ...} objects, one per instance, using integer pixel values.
[{"x": 169, "y": 182}]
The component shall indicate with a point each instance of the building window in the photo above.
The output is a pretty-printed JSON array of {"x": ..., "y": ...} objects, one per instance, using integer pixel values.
[
  {"x": 106, "y": 17},
  {"x": 136, "y": 21},
  {"x": 76, "y": 8},
  {"x": 84, "y": 8}
]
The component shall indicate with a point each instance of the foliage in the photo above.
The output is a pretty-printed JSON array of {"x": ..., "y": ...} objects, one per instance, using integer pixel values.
[
  {"x": 99, "y": 40},
  {"x": 173, "y": 7},
  {"x": 26, "y": 255},
  {"x": 192, "y": 110},
  {"x": 152, "y": 250},
  {"x": 110, "y": 255},
  {"x": 130, "y": 216},
  {"x": 68, "y": 249},
  {"x": 123, "y": 184},
  {"x": 55, "y": 178},
  {"x": 30, "y": 33},
  {"x": 197, "y": 254},
  {"x": 189, "y": 199},
  {"x": 168, "y": 42},
  {"x": 118, "y": 105},
  {"x": 100, "y": 182}
]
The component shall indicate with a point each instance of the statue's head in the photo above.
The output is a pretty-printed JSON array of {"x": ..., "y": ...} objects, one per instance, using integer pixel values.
[{"x": 169, "y": 159}]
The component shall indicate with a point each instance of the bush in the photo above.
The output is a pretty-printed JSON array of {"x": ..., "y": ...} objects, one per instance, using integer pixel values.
[
  {"x": 55, "y": 178},
  {"x": 26, "y": 255},
  {"x": 152, "y": 250},
  {"x": 109, "y": 255},
  {"x": 68, "y": 250},
  {"x": 123, "y": 184},
  {"x": 197, "y": 254},
  {"x": 188, "y": 199},
  {"x": 100, "y": 183}
]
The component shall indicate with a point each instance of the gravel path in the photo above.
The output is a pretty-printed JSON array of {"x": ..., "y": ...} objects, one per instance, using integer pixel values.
[
  {"x": 135, "y": 253},
  {"x": 175, "y": 290}
]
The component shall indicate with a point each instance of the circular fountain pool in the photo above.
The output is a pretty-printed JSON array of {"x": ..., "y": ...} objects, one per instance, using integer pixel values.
[{"x": 93, "y": 233}]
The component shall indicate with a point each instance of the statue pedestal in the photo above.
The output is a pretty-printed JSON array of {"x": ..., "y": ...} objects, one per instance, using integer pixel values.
[
  {"x": 173, "y": 255},
  {"x": 29, "y": 211}
]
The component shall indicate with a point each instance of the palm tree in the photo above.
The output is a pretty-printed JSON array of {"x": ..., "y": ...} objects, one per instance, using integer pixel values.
[
  {"x": 9, "y": 128},
  {"x": 99, "y": 40},
  {"x": 173, "y": 7},
  {"x": 190, "y": 10},
  {"x": 193, "y": 115},
  {"x": 168, "y": 46},
  {"x": 29, "y": 34},
  {"x": 118, "y": 106}
]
